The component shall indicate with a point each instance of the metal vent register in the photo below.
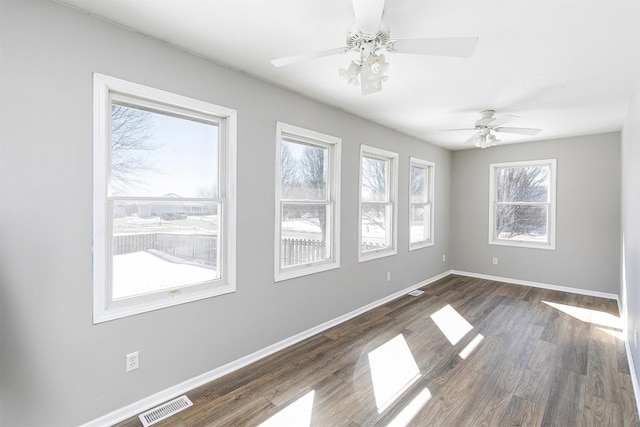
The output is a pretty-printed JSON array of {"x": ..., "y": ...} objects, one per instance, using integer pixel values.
[{"x": 165, "y": 410}]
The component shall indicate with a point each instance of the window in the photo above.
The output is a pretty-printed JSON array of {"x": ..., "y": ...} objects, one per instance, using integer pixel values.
[
  {"x": 378, "y": 189},
  {"x": 307, "y": 202},
  {"x": 420, "y": 203},
  {"x": 164, "y": 199},
  {"x": 522, "y": 208}
]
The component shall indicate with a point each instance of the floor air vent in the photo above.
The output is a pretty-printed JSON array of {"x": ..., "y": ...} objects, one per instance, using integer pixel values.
[
  {"x": 416, "y": 292},
  {"x": 164, "y": 411}
]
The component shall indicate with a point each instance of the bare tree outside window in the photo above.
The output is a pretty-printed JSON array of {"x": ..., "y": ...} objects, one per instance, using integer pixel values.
[
  {"x": 131, "y": 139},
  {"x": 374, "y": 179},
  {"x": 374, "y": 189},
  {"x": 289, "y": 171},
  {"x": 417, "y": 182},
  {"x": 304, "y": 189}
]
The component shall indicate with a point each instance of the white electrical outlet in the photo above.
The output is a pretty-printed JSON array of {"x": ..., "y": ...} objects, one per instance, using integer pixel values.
[
  {"x": 495, "y": 261},
  {"x": 133, "y": 361},
  {"x": 444, "y": 257},
  {"x": 388, "y": 276}
]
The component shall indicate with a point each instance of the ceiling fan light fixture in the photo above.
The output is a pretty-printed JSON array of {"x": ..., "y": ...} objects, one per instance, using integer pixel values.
[
  {"x": 372, "y": 73},
  {"x": 351, "y": 73},
  {"x": 377, "y": 64},
  {"x": 486, "y": 140}
]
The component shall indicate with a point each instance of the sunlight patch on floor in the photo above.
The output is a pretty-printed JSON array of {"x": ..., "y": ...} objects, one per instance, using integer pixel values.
[
  {"x": 468, "y": 349},
  {"x": 588, "y": 315},
  {"x": 393, "y": 370},
  {"x": 616, "y": 334},
  {"x": 451, "y": 323},
  {"x": 411, "y": 410},
  {"x": 297, "y": 414}
]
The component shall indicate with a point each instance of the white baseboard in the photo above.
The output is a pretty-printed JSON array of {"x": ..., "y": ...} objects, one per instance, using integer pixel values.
[
  {"x": 539, "y": 285},
  {"x": 632, "y": 371},
  {"x": 156, "y": 399}
]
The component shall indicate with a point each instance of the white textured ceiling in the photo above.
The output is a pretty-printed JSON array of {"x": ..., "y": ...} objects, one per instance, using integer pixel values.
[{"x": 566, "y": 66}]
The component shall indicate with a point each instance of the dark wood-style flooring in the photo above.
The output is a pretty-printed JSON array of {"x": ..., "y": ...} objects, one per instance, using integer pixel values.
[{"x": 533, "y": 357}]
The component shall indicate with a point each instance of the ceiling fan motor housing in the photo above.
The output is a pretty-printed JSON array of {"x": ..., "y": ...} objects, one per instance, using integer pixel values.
[
  {"x": 486, "y": 117},
  {"x": 366, "y": 44}
]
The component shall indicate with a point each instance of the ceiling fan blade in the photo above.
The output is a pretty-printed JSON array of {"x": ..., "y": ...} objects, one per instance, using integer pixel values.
[
  {"x": 281, "y": 62},
  {"x": 472, "y": 139},
  {"x": 519, "y": 131},
  {"x": 459, "y": 47},
  {"x": 368, "y": 14},
  {"x": 502, "y": 119}
]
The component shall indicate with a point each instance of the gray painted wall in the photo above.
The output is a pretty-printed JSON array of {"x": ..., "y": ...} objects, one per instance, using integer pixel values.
[
  {"x": 588, "y": 214},
  {"x": 630, "y": 284},
  {"x": 56, "y": 367}
]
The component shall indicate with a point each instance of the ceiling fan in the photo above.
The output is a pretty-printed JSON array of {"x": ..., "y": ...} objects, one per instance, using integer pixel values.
[
  {"x": 369, "y": 36},
  {"x": 487, "y": 125}
]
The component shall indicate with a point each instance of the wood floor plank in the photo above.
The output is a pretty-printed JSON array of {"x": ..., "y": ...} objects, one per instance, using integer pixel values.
[
  {"x": 527, "y": 359},
  {"x": 627, "y": 401},
  {"x": 602, "y": 375},
  {"x": 456, "y": 402},
  {"x": 539, "y": 374},
  {"x": 497, "y": 391},
  {"x": 574, "y": 347},
  {"x": 565, "y": 406},
  {"x": 522, "y": 413},
  {"x": 601, "y": 413}
]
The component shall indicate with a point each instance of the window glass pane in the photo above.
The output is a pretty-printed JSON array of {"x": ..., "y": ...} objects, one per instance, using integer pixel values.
[
  {"x": 163, "y": 245},
  {"x": 374, "y": 179},
  {"x": 155, "y": 154},
  {"x": 419, "y": 218},
  {"x": 522, "y": 222},
  {"x": 304, "y": 233},
  {"x": 523, "y": 184},
  {"x": 419, "y": 184},
  {"x": 376, "y": 226},
  {"x": 304, "y": 171}
]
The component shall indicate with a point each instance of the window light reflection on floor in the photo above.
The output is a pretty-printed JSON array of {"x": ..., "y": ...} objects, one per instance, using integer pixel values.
[
  {"x": 411, "y": 410},
  {"x": 297, "y": 414},
  {"x": 451, "y": 323},
  {"x": 588, "y": 315},
  {"x": 616, "y": 334},
  {"x": 468, "y": 349},
  {"x": 393, "y": 371}
]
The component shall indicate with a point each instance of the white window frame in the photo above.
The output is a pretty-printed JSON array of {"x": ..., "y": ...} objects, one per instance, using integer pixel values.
[
  {"x": 334, "y": 146},
  {"x": 430, "y": 168},
  {"x": 550, "y": 244},
  {"x": 392, "y": 186},
  {"x": 105, "y": 308}
]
